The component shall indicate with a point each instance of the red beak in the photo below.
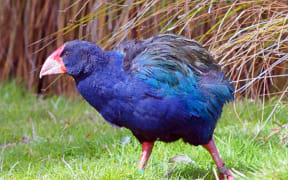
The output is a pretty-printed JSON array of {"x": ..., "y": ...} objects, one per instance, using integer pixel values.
[{"x": 53, "y": 64}]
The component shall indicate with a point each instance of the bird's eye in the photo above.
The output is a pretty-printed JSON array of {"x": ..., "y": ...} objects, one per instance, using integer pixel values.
[{"x": 65, "y": 53}]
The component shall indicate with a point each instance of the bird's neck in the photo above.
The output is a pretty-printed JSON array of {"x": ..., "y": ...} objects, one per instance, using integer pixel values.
[{"x": 98, "y": 86}]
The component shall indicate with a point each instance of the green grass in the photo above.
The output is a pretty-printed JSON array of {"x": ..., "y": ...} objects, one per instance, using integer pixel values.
[{"x": 59, "y": 138}]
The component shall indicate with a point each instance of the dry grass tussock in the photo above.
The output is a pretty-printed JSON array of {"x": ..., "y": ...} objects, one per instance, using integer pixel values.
[{"x": 249, "y": 38}]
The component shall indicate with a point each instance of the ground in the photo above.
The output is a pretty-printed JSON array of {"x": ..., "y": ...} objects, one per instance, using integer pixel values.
[{"x": 64, "y": 138}]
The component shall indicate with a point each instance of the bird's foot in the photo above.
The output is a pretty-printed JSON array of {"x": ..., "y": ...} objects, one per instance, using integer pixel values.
[{"x": 225, "y": 173}]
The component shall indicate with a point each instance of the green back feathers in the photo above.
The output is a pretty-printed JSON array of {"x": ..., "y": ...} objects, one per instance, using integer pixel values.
[{"x": 170, "y": 51}]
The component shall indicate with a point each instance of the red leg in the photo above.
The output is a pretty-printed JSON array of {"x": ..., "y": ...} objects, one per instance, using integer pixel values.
[
  {"x": 146, "y": 151},
  {"x": 224, "y": 172}
]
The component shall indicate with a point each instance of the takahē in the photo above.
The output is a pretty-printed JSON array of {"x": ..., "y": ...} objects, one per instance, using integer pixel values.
[{"x": 163, "y": 88}]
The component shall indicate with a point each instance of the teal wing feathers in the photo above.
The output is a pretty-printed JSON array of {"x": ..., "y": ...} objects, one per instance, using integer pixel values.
[{"x": 178, "y": 66}]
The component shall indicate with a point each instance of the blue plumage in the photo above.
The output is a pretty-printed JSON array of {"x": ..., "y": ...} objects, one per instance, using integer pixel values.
[{"x": 163, "y": 88}]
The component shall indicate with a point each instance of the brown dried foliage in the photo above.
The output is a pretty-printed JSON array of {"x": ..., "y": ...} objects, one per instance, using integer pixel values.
[{"x": 248, "y": 37}]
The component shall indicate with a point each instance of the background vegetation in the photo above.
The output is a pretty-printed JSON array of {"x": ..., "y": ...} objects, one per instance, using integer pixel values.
[{"x": 247, "y": 37}]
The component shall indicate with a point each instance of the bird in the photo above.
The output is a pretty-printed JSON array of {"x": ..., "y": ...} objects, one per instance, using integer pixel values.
[{"x": 163, "y": 88}]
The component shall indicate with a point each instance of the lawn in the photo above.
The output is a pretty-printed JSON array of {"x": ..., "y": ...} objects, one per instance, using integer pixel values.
[{"x": 64, "y": 138}]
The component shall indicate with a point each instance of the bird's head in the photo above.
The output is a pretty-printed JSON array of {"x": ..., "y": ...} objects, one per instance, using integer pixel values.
[{"x": 75, "y": 58}]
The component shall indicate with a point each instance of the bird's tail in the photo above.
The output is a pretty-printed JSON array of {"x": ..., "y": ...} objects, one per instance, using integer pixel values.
[
  {"x": 218, "y": 90},
  {"x": 216, "y": 86}
]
